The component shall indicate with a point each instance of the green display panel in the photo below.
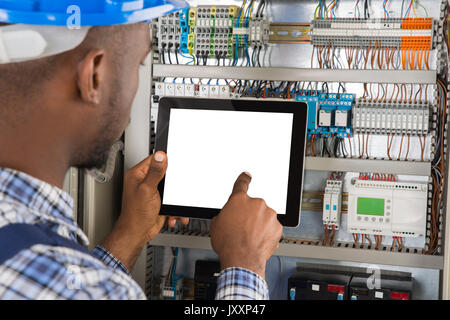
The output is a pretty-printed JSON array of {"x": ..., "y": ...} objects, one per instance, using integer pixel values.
[{"x": 370, "y": 206}]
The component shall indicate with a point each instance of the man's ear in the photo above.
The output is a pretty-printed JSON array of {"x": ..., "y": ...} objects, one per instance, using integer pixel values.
[{"x": 91, "y": 74}]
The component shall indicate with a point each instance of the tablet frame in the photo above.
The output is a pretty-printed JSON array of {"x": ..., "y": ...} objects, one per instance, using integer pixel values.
[{"x": 297, "y": 157}]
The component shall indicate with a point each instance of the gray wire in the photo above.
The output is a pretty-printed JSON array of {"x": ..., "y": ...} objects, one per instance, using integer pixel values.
[
  {"x": 359, "y": 57},
  {"x": 338, "y": 59},
  {"x": 397, "y": 61},
  {"x": 321, "y": 147},
  {"x": 401, "y": 14}
]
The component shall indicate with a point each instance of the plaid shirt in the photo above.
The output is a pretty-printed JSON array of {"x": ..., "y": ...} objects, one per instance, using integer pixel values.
[
  {"x": 49, "y": 272},
  {"x": 241, "y": 284}
]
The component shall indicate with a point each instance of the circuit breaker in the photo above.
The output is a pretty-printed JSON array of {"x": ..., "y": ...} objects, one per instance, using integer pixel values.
[{"x": 332, "y": 204}]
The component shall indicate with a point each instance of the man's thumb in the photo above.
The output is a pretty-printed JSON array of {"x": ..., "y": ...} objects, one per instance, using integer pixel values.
[{"x": 156, "y": 170}]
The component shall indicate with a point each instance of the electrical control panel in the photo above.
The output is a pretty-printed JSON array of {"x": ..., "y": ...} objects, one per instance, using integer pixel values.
[
  {"x": 374, "y": 77},
  {"x": 387, "y": 208}
]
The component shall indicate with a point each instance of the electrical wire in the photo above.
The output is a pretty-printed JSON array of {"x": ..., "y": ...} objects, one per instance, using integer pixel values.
[
  {"x": 438, "y": 172},
  {"x": 366, "y": 9},
  {"x": 386, "y": 13}
]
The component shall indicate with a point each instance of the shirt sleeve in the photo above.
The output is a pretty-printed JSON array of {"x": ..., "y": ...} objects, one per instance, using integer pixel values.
[
  {"x": 241, "y": 284},
  {"x": 108, "y": 258}
]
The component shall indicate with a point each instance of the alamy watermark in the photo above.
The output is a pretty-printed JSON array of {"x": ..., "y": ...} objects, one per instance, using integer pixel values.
[
  {"x": 73, "y": 22},
  {"x": 374, "y": 280}
]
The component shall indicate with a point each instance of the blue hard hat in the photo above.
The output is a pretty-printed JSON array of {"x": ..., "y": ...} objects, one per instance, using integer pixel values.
[{"x": 91, "y": 12}]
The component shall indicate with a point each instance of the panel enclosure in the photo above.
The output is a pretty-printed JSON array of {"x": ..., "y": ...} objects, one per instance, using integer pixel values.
[{"x": 291, "y": 62}]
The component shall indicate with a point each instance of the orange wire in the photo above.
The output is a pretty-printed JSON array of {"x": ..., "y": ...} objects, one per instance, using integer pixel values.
[
  {"x": 407, "y": 151},
  {"x": 420, "y": 58},
  {"x": 411, "y": 59},
  {"x": 404, "y": 59},
  {"x": 401, "y": 145}
]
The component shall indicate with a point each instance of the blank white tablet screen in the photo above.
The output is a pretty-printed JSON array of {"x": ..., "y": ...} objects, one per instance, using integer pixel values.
[{"x": 208, "y": 149}]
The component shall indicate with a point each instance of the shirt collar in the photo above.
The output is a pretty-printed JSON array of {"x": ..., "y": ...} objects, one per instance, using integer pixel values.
[{"x": 45, "y": 200}]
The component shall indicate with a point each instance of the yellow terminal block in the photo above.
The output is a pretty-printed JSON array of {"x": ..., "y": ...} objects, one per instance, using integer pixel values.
[
  {"x": 191, "y": 39},
  {"x": 232, "y": 11},
  {"x": 192, "y": 17}
]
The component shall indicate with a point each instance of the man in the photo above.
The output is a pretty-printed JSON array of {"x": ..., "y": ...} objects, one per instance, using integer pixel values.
[{"x": 67, "y": 109}]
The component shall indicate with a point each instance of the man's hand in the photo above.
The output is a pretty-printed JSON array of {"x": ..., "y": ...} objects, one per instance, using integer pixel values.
[
  {"x": 139, "y": 221},
  {"x": 246, "y": 232}
]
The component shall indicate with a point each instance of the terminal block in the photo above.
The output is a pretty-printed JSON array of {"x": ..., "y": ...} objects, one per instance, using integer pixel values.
[
  {"x": 184, "y": 27},
  {"x": 339, "y": 107},
  {"x": 313, "y": 110},
  {"x": 332, "y": 201},
  {"x": 329, "y": 114},
  {"x": 257, "y": 33},
  {"x": 169, "y": 32},
  {"x": 172, "y": 292},
  {"x": 191, "y": 90},
  {"x": 409, "y": 33},
  {"x": 391, "y": 118},
  {"x": 213, "y": 31},
  {"x": 210, "y": 31}
]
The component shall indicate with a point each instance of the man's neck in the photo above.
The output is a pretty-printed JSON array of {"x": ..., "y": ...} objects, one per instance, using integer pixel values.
[{"x": 40, "y": 159}]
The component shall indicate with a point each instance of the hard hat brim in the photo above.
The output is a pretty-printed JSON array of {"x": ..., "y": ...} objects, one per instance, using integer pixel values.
[{"x": 116, "y": 17}]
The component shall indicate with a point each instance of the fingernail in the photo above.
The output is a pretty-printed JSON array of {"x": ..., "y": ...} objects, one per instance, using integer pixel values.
[
  {"x": 247, "y": 173},
  {"x": 159, "y": 157}
]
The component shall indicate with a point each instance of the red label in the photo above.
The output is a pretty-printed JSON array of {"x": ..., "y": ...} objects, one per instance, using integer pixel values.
[
  {"x": 338, "y": 289},
  {"x": 399, "y": 295}
]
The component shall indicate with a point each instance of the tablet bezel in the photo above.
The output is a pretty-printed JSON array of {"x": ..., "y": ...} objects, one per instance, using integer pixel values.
[{"x": 297, "y": 156}]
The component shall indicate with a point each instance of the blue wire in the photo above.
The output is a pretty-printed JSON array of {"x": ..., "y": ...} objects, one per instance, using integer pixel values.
[
  {"x": 192, "y": 58},
  {"x": 334, "y": 9},
  {"x": 409, "y": 8},
  {"x": 238, "y": 20},
  {"x": 384, "y": 8},
  {"x": 236, "y": 51},
  {"x": 174, "y": 270}
]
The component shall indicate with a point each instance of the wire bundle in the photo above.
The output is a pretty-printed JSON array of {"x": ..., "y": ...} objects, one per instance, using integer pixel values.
[{"x": 438, "y": 172}]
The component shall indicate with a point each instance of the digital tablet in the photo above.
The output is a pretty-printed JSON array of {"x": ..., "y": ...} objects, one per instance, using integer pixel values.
[{"x": 209, "y": 143}]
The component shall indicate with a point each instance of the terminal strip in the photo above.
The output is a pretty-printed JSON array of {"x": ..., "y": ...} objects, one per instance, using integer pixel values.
[
  {"x": 169, "y": 32},
  {"x": 211, "y": 31},
  {"x": 389, "y": 118},
  {"x": 409, "y": 33}
]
